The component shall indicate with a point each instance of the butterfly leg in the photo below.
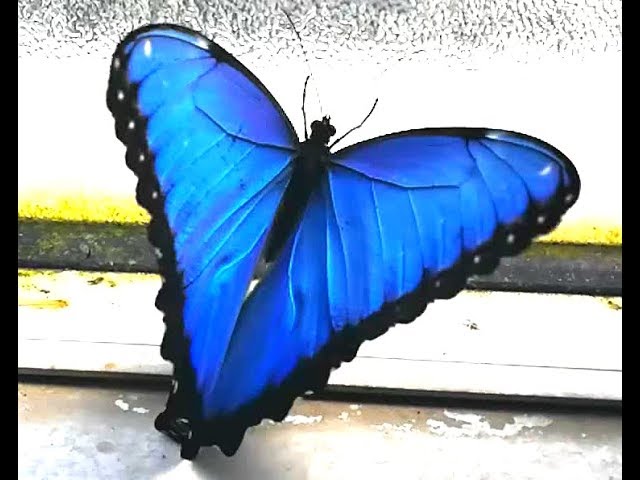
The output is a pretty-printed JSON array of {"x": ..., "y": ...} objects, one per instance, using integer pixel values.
[
  {"x": 179, "y": 430},
  {"x": 231, "y": 443},
  {"x": 189, "y": 450}
]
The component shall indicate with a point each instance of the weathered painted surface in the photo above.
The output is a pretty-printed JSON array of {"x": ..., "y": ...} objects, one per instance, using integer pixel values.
[
  {"x": 485, "y": 342},
  {"x": 76, "y": 432}
]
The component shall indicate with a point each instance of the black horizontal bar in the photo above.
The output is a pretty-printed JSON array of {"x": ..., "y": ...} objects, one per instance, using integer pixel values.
[{"x": 547, "y": 268}]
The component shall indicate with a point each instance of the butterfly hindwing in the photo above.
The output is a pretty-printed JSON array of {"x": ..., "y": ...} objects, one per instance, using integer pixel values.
[
  {"x": 213, "y": 151},
  {"x": 395, "y": 222}
]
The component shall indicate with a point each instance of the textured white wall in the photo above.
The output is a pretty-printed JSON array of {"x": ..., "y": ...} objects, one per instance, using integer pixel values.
[{"x": 550, "y": 68}]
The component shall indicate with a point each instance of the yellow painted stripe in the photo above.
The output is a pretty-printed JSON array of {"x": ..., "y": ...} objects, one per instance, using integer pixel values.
[
  {"x": 80, "y": 207},
  {"x": 54, "y": 289},
  {"x": 96, "y": 208},
  {"x": 30, "y": 279},
  {"x": 595, "y": 232}
]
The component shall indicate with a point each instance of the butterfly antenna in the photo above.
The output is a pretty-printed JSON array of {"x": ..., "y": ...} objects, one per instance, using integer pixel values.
[
  {"x": 306, "y": 61},
  {"x": 304, "y": 113},
  {"x": 357, "y": 126}
]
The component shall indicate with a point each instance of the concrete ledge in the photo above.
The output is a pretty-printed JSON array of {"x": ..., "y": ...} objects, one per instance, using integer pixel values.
[{"x": 107, "y": 432}]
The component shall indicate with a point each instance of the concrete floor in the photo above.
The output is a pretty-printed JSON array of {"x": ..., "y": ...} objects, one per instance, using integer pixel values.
[{"x": 100, "y": 433}]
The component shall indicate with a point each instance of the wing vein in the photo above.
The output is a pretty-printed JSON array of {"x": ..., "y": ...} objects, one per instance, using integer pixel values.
[
  {"x": 390, "y": 183},
  {"x": 290, "y": 294},
  {"x": 261, "y": 193},
  {"x": 376, "y": 209},
  {"x": 175, "y": 39},
  {"x": 342, "y": 249},
  {"x": 244, "y": 139},
  {"x": 170, "y": 63},
  {"x": 486, "y": 186},
  {"x": 190, "y": 162},
  {"x": 224, "y": 218},
  {"x": 553, "y": 158},
  {"x": 172, "y": 102},
  {"x": 415, "y": 221},
  {"x": 510, "y": 167}
]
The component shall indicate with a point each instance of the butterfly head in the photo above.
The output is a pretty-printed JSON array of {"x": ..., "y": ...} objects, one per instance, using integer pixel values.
[{"x": 322, "y": 130}]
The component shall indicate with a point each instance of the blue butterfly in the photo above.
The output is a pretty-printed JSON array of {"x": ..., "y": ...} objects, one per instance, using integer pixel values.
[{"x": 357, "y": 240}]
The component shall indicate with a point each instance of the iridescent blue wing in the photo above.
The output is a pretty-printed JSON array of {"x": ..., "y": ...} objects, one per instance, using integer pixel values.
[
  {"x": 396, "y": 222},
  {"x": 212, "y": 150}
]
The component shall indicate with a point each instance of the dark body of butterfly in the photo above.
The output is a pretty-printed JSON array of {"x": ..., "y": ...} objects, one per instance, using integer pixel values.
[
  {"x": 309, "y": 165},
  {"x": 356, "y": 241}
]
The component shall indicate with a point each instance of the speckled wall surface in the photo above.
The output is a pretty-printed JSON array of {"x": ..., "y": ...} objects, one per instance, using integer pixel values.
[
  {"x": 436, "y": 31},
  {"x": 550, "y": 68}
]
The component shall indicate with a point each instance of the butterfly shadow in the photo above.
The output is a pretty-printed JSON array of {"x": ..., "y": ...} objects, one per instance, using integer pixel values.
[{"x": 265, "y": 453}]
